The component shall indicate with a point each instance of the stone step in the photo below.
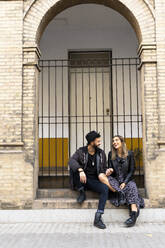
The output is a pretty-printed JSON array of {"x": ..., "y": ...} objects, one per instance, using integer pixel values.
[
  {"x": 63, "y": 193},
  {"x": 63, "y": 181},
  {"x": 71, "y": 203},
  {"x": 68, "y": 193}
]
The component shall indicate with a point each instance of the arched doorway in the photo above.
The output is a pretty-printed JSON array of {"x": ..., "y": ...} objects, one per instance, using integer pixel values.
[
  {"x": 89, "y": 80},
  {"x": 53, "y": 8}
]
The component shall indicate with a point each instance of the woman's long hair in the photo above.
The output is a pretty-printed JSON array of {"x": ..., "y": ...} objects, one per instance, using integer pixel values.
[{"x": 124, "y": 153}]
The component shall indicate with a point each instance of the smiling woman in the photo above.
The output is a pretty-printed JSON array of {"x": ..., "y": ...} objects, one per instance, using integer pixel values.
[
  {"x": 122, "y": 163},
  {"x": 119, "y": 147}
]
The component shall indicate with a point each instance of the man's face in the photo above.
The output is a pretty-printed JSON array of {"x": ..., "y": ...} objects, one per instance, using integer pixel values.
[{"x": 96, "y": 142}]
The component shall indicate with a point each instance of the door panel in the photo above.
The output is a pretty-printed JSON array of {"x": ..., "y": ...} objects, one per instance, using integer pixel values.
[{"x": 90, "y": 104}]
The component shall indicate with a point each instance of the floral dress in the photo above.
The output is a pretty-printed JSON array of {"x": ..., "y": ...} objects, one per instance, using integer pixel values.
[{"x": 130, "y": 192}]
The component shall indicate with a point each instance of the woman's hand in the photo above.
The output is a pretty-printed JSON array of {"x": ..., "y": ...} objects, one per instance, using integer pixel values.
[
  {"x": 122, "y": 186},
  {"x": 83, "y": 178},
  {"x": 109, "y": 172}
]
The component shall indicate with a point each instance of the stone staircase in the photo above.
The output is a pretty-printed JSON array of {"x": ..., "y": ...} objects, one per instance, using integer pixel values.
[{"x": 66, "y": 199}]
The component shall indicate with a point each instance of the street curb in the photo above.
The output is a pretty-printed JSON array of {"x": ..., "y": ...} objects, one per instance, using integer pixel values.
[{"x": 156, "y": 215}]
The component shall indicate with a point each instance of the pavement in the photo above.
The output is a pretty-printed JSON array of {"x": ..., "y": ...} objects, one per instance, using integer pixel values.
[{"x": 24, "y": 229}]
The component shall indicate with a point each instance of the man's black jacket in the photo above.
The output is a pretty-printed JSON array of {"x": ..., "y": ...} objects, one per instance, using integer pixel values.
[{"x": 80, "y": 159}]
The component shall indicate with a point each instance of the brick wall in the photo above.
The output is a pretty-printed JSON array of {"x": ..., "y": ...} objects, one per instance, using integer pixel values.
[
  {"x": 16, "y": 175},
  {"x": 11, "y": 71},
  {"x": 22, "y": 24}
]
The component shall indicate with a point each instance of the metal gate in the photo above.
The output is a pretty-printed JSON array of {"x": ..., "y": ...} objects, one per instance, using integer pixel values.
[{"x": 89, "y": 91}]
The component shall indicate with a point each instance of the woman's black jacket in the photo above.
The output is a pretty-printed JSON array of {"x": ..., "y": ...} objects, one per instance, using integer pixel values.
[{"x": 128, "y": 167}]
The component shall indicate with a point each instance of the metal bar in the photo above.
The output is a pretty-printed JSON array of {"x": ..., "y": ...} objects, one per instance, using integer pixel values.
[
  {"x": 137, "y": 90},
  {"x": 49, "y": 116},
  {"x": 123, "y": 95},
  {"x": 83, "y": 104},
  {"x": 80, "y": 122},
  {"x": 70, "y": 59},
  {"x": 69, "y": 111},
  {"x": 96, "y": 100},
  {"x": 62, "y": 125},
  {"x": 111, "y": 101},
  {"x": 89, "y": 99},
  {"x": 60, "y": 116},
  {"x": 76, "y": 104},
  {"x": 117, "y": 114},
  {"x": 91, "y": 66},
  {"x": 130, "y": 86},
  {"x": 102, "y": 73},
  {"x": 55, "y": 93},
  {"x": 42, "y": 102}
]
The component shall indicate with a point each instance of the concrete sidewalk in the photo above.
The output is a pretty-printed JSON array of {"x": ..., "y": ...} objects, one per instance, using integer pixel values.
[
  {"x": 81, "y": 235},
  {"x": 73, "y": 228}
]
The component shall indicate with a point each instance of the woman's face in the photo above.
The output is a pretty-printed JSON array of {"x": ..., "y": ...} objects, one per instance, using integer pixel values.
[{"x": 116, "y": 143}]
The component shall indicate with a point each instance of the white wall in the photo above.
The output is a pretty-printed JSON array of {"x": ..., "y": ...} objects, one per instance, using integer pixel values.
[{"x": 88, "y": 26}]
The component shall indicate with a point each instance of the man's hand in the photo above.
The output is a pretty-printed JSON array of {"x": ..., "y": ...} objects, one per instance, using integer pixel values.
[
  {"x": 122, "y": 186},
  {"x": 109, "y": 172},
  {"x": 83, "y": 178}
]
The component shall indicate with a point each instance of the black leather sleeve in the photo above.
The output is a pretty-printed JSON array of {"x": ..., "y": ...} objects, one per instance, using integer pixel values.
[
  {"x": 74, "y": 161},
  {"x": 104, "y": 163},
  {"x": 131, "y": 168},
  {"x": 110, "y": 164}
]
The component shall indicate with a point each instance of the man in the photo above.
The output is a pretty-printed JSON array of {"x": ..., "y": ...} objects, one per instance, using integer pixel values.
[{"x": 87, "y": 170}]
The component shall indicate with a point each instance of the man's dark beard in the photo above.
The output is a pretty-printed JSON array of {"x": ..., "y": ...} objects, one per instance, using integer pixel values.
[{"x": 95, "y": 147}]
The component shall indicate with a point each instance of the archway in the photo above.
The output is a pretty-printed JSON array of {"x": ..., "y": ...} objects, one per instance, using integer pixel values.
[{"x": 35, "y": 26}]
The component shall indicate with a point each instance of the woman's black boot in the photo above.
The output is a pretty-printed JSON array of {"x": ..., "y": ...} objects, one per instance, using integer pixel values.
[
  {"x": 132, "y": 220},
  {"x": 98, "y": 222}
]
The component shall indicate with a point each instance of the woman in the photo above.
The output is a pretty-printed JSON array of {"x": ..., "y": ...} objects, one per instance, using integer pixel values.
[{"x": 121, "y": 165}]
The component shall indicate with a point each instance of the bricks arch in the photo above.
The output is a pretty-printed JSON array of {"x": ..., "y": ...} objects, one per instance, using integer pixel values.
[
  {"x": 41, "y": 12},
  {"x": 140, "y": 14}
]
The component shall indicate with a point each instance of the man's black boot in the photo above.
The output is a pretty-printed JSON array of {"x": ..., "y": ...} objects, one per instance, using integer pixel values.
[
  {"x": 98, "y": 222},
  {"x": 132, "y": 220},
  {"x": 82, "y": 197}
]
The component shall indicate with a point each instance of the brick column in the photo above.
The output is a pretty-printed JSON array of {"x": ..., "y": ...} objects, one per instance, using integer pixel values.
[
  {"x": 16, "y": 175},
  {"x": 153, "y": 160},
  {"x": 30, "y": 108},
  {"x": 160, "y": 41},
  {"x": 147, "y": 53}
]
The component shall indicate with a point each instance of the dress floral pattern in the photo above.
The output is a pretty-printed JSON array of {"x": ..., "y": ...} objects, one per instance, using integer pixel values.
[{"x": 130, "y": 192}]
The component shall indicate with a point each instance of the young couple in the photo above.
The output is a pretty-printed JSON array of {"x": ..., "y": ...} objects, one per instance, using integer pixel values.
[{"x": 88, "y": 170}]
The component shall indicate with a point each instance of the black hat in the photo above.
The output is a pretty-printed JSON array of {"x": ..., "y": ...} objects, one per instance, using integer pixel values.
[{"x": 91, "y": 136}]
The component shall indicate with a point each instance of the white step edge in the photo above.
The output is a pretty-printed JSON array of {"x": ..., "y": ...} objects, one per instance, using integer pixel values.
[{"x": 78, "y": 216}]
